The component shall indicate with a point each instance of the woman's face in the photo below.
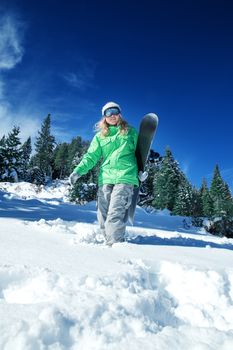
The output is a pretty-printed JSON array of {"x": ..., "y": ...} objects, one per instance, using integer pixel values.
[{"x": 113, "y": 120}]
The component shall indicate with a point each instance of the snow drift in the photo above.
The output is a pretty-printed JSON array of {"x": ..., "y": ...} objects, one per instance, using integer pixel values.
[{"x": 61, "y": 288}]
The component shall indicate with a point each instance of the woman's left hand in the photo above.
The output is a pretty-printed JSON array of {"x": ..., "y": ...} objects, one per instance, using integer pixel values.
[{"x": 142, "y": 175}]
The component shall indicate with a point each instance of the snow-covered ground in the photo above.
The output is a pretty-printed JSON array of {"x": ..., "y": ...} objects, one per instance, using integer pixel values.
[{"x": 167, "y": 287}]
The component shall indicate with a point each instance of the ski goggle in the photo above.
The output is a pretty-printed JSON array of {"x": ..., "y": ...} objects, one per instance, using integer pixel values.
[{"x": 111, "y": 111}]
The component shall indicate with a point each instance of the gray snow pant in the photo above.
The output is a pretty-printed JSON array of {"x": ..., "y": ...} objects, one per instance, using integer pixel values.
[{"x": 113, "y": 204}]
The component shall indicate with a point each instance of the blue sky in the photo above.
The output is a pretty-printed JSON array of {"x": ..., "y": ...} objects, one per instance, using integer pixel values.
[{"x": 174, "y": 58}]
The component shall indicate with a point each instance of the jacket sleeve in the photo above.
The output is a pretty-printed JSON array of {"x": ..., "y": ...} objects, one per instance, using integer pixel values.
[
  {"x": 90, "y": 158},
  {"x": 135, "y": 137}
]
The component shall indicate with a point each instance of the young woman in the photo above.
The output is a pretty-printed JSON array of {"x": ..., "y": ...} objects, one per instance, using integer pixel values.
[{"x": 115, "y": 144}]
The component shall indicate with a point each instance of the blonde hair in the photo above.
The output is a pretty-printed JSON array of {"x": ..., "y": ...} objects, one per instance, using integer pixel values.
[{"x": 102, "y": 126}]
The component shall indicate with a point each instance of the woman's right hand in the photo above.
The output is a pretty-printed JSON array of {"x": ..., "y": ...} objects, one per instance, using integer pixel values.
[{"x": 73, "y": 178}]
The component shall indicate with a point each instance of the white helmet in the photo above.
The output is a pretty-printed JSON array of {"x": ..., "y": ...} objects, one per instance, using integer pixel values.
[{"x": 110, "y": 105}]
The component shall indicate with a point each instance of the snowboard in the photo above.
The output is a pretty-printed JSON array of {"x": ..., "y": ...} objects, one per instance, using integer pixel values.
[{"x": 146, "y": 135}]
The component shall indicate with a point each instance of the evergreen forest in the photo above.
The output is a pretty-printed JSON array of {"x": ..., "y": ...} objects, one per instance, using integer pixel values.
[{"x": 166, "y": 186}]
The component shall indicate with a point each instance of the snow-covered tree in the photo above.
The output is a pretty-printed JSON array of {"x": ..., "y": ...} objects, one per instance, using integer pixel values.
[
  {"x": 2, "y": 156},
  {"x": 44, "y": 147},
  {"x": 36, "y": 176},
  {"x": 12, "y": 155},
  {"x": 146, "y": 190},
  {"x": 184, "y": 198},
  {"x": 221, "y": 222},
  {"x": 197, "y": 205},
  {"x": 207, "y": 202},
  {"x": 61, "y": 164},
  {"x": 220, "y": 194},
  {"x": 26, "y": 153},
  {"x": 76, "y": 149},
  {"x": 85, "y": 189},
  {"x": 166, "y": 183}
]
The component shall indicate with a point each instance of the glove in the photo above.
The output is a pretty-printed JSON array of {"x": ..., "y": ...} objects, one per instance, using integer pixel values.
[
  {"x": 73, "y": 178},
  {"x": 142, "y": 175}
]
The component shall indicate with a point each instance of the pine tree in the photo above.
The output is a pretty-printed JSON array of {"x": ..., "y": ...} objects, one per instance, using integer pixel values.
[
  {"x": 207, "y": 202},
  {"x": 12, "y": 156},
  {"x": 26, "y": 153},
  {"x": 76, "y": 149},
  {"x": 2, "y": 156},
  {"x": 85, "y": 189},
  {"x": 166, "y": 183},
  {"x": 220, "y": 194},
  {"x": 36, "y": 176},
  {"x": 83, "y": 192},
  {"x": 146, "y": 190},
  {"x": 184, "y": 199},
  {"x": 61, "y": 168},
  {"x": 222, "y": 219},
  {"x": 197, "y": 208},
  {"x": 44, "y": 147}
]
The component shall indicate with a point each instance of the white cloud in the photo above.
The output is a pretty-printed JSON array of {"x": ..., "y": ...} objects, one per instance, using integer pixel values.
[
  {"x": 11, "y": 53},
  {"x": 28, "y": 112},
  {"x": 11, "y": 50},
  {"x": 1, "y": 89},
  {"x": 29, "y": 125},
  {"x": 76, "y": 81},
  {"x": 83, "y": 78}
]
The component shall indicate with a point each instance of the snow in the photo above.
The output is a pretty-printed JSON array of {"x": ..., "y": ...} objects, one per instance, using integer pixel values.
[{"x": 61, "y": 287}]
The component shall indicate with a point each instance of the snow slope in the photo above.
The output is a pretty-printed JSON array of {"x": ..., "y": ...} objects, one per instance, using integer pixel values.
[{"x": 61, "y": 288}]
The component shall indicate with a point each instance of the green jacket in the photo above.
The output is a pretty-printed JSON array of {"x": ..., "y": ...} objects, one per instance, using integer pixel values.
[{"x": 117, "y": 154}]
